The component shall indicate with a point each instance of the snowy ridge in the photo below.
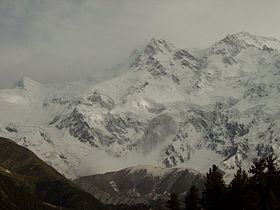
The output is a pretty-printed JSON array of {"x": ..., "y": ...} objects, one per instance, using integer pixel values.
[
  {"x": 169, "y": 107},
  {"x": 27, "y": 84},
  {"x": 157, "y": 171},
  {"x": 248, "y": 39}
]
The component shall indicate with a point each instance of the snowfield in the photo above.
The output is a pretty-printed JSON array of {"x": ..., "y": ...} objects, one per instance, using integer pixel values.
[{"x": 168, "y": 107}]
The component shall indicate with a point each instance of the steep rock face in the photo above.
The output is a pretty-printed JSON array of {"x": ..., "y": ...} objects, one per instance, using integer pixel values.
[
  {"x": 217, "y": 130},
  {"x": 179, "y": 107},
  {"x": 187, "y": 59},
  {"x": 77, "y": 126},
  {"x": 140, "y": 184}
]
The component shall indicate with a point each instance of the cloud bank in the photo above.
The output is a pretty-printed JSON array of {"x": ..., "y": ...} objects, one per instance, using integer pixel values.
[{"x": 63, "y": 40}]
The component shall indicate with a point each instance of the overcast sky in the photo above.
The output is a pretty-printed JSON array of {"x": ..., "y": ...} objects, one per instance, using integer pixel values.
[{"x": 63, "y": 40}]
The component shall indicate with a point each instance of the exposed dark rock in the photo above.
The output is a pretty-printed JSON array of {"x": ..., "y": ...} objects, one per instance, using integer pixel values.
[{"x": 140, "y": 184}]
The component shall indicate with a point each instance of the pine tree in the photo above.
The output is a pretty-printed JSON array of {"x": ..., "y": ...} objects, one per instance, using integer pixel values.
[
  {"x": 214, "y": 193},
  {"x": 272, "y": 172},
  {"x": 238, "y": 191},
  {"x": 258, "y": 183},
  {"x": 258, "y": 171},
  {"x": 173, "y": 202},
  {"x": 192, "y": 200},
  {"x": 272, "y": 183}
]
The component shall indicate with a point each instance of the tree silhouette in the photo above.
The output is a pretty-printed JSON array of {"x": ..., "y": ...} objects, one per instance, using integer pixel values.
[
  {"x": 214, "y": 193},
  {"x": 173, "y": 202},
  {"x": 238, "y": 191},
  {"x": 272, "y": 183},
  {"x": 260, "y": 191},
  {"x": 192, "y": 199}
]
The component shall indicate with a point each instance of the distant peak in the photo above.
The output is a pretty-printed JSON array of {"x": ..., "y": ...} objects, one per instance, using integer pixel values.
[
  {"x": 26, "y": 83},
  {"x": 243, "y": 34},
  {"x": 244, "y": 39},
  {"x": 156, "y": 46},
  {"x": 156, "y": 41}
]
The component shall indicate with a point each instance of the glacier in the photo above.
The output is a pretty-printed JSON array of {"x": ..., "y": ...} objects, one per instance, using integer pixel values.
[{"x": 167, "y": 106}]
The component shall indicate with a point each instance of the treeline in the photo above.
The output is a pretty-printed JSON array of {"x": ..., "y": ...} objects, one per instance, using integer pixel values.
[{"x": 257, "y": 189}]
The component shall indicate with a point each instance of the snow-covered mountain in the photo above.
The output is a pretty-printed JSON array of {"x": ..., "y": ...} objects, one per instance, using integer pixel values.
[{"x": 170, "y": 107}]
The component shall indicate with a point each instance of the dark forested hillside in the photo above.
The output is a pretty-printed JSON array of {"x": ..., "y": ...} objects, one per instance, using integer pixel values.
[{"x": 27, "y": 183}]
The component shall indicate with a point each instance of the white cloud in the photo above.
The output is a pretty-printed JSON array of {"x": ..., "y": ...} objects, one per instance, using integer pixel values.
[{"x": 63, "y": 40}]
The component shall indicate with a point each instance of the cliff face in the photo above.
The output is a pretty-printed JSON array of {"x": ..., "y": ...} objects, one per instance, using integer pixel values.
[{"x": 171, "y": 107}]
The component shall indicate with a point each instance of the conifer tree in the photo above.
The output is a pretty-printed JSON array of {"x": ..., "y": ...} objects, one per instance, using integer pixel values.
[
  {"x": 192, "y": 199},
  {"x": 214, "y": 193},
  {"x": 258, "y": 171},
  {"x": 258, "y": 183},
  {"x": 272, "y": 183},
  {"x": 173, "y": 202},
  {"x": 272, "y": 173},
  {"x": 238, "y": 191}
]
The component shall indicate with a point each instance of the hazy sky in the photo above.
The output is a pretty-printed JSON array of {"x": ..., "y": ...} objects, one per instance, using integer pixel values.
[{"x": 62, "y": 40}]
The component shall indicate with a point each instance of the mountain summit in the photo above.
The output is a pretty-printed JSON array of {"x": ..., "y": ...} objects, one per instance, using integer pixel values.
[
  {"x": 156, "y": 46},
  {"x": 26, "y": 83},
  {"x": 170, "y": 107},
  {"x": 253, "y": 40}
]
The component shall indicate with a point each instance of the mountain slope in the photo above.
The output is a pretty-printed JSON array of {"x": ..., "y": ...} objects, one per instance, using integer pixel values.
[
  {"x": 170, "y": 107},
  {"x": 26, "y": 182},
  {"x": 140, "y": 184},
  {"x": 33, "y": 178},
  {"x": 17, "y": 193}
]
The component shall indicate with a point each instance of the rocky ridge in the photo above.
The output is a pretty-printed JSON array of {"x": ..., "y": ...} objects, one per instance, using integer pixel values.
[{"x": 171, "y": 106}]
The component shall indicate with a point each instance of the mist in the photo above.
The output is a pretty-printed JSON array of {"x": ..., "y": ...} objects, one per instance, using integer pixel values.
[
  {"x": 57, "y": 41},
  {"x": 99, "y": 162}
]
